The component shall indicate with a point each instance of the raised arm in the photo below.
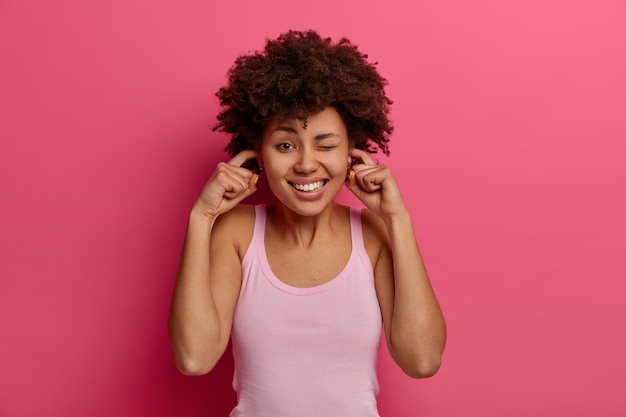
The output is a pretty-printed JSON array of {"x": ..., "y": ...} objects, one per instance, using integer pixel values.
[
  {"x": 415, "y": 329},
  {"x": 209, "y": 275}
]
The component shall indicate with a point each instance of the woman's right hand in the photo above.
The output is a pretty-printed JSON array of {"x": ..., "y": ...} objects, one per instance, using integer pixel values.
[{"x": 229, "y": 184}]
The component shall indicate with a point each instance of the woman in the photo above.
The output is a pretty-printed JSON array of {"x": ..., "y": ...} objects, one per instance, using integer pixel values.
[{"x": 304, "y": 286}]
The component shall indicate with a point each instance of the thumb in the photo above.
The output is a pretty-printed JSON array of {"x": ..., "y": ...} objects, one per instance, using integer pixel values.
[{"x": 352, "y": 184}]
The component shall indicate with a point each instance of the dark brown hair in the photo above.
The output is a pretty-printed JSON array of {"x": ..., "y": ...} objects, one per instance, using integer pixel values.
[{"x": 298, "y": 74}]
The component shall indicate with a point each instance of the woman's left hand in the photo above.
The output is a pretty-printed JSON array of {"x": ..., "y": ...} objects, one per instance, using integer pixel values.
[{"x": 375, "y": 186}]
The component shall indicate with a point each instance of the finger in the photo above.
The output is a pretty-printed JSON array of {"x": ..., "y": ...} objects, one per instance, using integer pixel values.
[
  {"x": 362, "y": 191},
  {"x": 235, "y": 188},
  {"x": 229, "y": 173},
  {"x": 365, "y": 168},
  {"x": 362, "y": 155},
  {"x": 371, "y": 178},
  {"x": 358, "y": 182},
  {"x": 239, "y": 193},
  {"x": 243, "y": 156},
  {"x": 234, "y": 166},
  {"x": 361, "y": 170},
  {"x": 370, "y": 184}
]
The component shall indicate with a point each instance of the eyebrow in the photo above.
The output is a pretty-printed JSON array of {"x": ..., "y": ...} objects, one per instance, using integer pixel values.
[
  {"x": 289, "y": 129},
  {"x": 285, "y": 129},
  {"x": 323, "y": 136}
]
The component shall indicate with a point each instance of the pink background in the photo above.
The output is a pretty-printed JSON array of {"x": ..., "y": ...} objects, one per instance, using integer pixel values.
[{"x": 510, "y": 145}]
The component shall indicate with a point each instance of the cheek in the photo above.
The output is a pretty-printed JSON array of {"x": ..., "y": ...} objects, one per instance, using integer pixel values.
[
  {"x": 337, "y": 164},
  {"x": 275, "y": 162},
  {"x": 276, "y": 170}
]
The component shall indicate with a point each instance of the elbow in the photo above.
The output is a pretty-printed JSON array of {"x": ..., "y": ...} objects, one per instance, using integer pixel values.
[
  {"x": 422, "y": 368},
  {"x": 194, "y": 361},
  {"x": 418, "y": 359},
  {"x": 192, "y": 357},
  {"x": 193, "y": 366},
  {"x": 417, "y": 364}
]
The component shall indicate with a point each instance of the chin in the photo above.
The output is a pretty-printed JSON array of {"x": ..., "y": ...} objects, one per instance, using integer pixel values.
[{"x": 306, "y": 209}]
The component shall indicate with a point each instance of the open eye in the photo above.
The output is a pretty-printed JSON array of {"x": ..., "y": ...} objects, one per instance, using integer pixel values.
[{"x": 284, "y": 147}]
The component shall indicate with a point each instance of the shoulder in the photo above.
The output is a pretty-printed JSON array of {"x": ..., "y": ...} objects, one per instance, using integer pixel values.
[
  {"x": 373, "y": 226},
  {"x": 241, "y": 213},
  {"x": 375, "y": 236},
  {"x": 235, "y": 227}
]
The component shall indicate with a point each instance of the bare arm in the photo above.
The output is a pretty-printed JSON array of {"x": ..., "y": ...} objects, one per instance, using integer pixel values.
[
  {"x": 207, "y": 285},
  {"x": 414, "y": 325}
]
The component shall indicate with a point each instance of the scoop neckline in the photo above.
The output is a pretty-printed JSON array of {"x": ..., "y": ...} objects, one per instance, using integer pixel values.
[{"x": 316, "y": 289}]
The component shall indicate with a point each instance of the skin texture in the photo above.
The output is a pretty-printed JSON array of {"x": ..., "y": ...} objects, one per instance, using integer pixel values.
[
  {"x": 292, "y": 155},
  {"x": 302, "y": 227}
]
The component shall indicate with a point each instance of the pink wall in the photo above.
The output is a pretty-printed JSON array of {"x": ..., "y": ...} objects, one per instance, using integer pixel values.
[{"x": 510, "y": 145}]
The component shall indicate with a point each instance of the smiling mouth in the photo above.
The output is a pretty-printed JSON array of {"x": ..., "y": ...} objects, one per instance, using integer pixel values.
[{"x": 310, "y": 187}]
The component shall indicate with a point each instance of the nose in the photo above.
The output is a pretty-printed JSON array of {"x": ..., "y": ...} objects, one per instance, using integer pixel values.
[{"x": 307, "y": 162}]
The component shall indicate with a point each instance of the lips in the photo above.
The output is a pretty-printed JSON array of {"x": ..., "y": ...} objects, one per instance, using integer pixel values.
[{"x": 309, "y": 187}]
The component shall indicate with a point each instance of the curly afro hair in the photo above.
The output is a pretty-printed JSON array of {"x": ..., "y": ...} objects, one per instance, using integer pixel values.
[{"x": 298, "y": 74}]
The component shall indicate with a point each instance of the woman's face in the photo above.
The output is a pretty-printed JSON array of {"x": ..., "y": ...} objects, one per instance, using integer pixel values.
[{"x": 306, "y": 168}]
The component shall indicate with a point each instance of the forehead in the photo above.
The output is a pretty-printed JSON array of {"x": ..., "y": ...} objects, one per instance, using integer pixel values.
[{"x": 328, "y": 121}]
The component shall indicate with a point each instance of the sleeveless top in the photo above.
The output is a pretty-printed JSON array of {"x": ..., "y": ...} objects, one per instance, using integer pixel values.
[{"x": 312, "y": 351}]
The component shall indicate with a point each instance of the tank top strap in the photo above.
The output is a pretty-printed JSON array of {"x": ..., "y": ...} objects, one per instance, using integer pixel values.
[
  {"x": 258, "y": 235},
  {"x": 257, "y": 244},
  {"x": 259, "y": 221},
  {"x": 356, "y": 230}
]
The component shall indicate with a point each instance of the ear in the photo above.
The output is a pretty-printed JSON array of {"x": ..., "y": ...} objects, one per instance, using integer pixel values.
[
  {"x": 259, "y": 160},
  {"x": 350, "y": 159}
]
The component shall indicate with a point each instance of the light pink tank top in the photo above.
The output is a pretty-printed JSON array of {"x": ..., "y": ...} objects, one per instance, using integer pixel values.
[{"x": 303, "y": 352}]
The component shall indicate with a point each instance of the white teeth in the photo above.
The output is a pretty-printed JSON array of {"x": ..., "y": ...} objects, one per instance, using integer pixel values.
[{"x": 314, "y": 186}]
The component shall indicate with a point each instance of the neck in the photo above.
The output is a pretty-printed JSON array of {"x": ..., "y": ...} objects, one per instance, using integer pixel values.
[{"x": 303, "y": 230}]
